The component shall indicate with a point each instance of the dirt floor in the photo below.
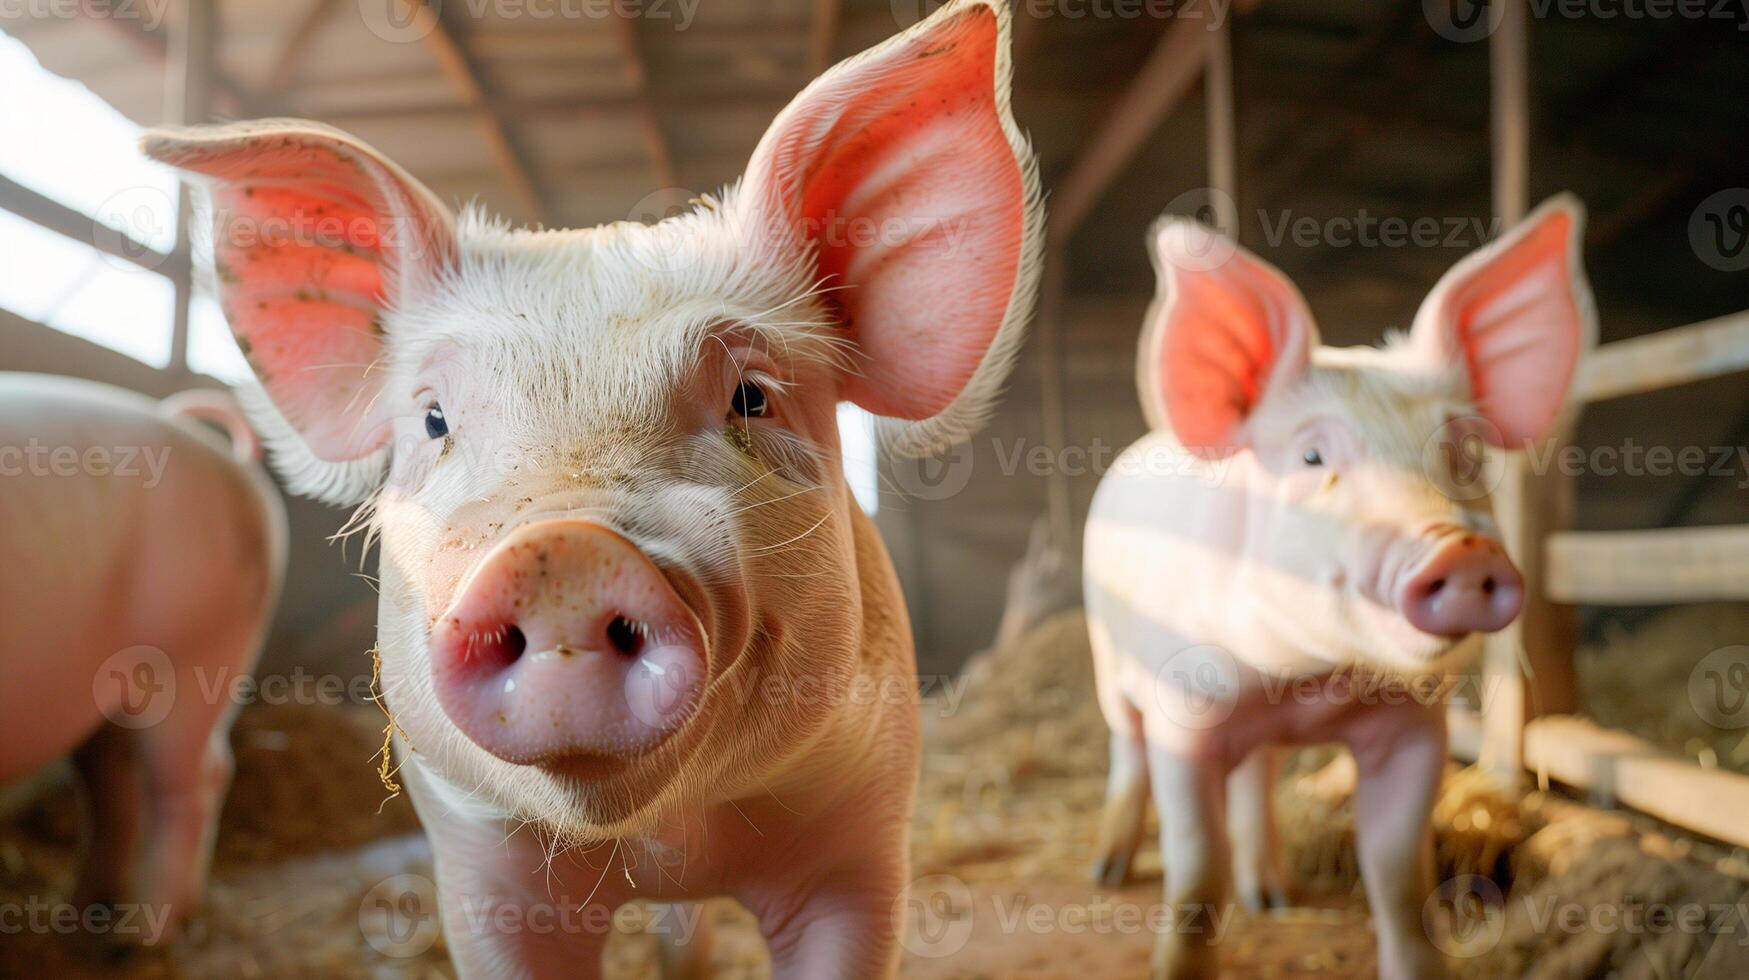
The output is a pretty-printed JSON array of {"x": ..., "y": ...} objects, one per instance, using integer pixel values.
[{"x": 318, "y": 875}]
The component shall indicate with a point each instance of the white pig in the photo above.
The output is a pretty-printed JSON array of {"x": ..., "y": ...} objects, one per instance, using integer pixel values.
[
  {"x": 1297, "y": 554},
  {"x": 140, "y": 562},
  {"x": 631, "y": 618}
]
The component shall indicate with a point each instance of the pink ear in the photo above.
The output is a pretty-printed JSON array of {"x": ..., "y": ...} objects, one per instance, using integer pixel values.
[
  {"x": 1225, "y": 331},
  {"x": 901, "y": 172},
  {"x": 1515, "y": 315},
  {"x": 314, "y": 236}
]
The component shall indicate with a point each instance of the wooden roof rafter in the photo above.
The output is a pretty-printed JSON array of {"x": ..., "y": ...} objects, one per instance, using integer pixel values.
[
  {"x": 638, "y": 75},
  {"x": 464, "y": 76},
  {"x": 296, "y": 49}
]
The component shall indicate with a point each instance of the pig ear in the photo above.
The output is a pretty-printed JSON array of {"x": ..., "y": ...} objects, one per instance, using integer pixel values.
[
  {"x": 314, "y": 237},
  {"x": 1515, "y": 317},
  {"x": 901, "y": 181},
  {"x": 1226, "y": 330}
]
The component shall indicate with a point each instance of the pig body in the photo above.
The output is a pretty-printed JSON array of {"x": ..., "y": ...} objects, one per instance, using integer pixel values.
[
  {"x": 1301, "y": 552},
  {"x": 638, "y": 638},
  {"x": 140, "y": 562}
]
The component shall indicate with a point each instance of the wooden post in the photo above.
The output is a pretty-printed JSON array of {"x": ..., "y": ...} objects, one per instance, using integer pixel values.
[
  {"x": 1173, "y": 65},
  {"x": 1223, "y": 131},
  {"x": 188, "y": 74},
  {"x": 1527, "y": 668}
]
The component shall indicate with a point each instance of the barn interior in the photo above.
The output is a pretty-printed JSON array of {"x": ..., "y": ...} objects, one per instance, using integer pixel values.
[{"x": 1363, "y": 148}]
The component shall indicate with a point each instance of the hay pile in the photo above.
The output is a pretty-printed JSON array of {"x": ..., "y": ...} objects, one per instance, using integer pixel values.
[
  {"x": 1012, "y": 785},
  {"x": 1638, "y": 681},
  {"x": 1013, "y": 782},
  {"x": 1013, "y": 779},
  {"x": 304, "y": 837},
  {"x": 1604, "y": 895}
]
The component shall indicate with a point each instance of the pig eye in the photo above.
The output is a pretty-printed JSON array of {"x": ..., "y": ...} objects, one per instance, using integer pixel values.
[
  {"x": 436, "y": 426},
  {"x": 749, "y": 401},
  {"x": 1312, "y": 457}
]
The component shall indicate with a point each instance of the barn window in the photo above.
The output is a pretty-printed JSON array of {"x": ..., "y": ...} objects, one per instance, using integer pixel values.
[
  {"x": 856, "y": 434},
  {"x": 61, "y": 141}
]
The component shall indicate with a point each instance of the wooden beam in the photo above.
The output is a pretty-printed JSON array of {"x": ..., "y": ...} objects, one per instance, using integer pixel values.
[
  {"x": 1527, "y": 667},
  {"x": 452, "y": 59},
  {"x": 1028, "y": 29},
  {"x": 1618, "y": 768},
  {"x": 296, "y": 49},
  {"x": 822, "y": 32},
  {"x": 1223, "y": 129},
  {"x": 1509, "y": 70},
  {"x": 1678, "y": 564},
  {"x": 1164, "y": 78},
  {"x": 190, "y": 59},
  {"x": 1171, "y": 67},
  {"x": 572, "y": 106},
  {"x": 226, "y": 93},
  {"x": 637, "y": 74},
  {"x": 1669, "y": 357},
  {"x": 57, "y": 217}
]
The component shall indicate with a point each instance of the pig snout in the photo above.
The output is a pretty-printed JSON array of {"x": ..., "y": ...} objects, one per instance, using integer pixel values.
[
  {"x": 567, "y": 642},
  {"x": 1465, "y": 584}
]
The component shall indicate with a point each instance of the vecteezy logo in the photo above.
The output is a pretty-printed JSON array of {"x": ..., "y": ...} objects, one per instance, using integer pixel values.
[
  {"x": 1456, "y": 458},
  {"x": 400, "y": 23},
  {"x": 1463, "y": 21},
  {"x": 1465, "y": 916},
  {"x": 135, "y": 687},
  {"x": 1718, "y": 230},
  {"x": 909, "y": 12},
  {"x": 935, "y": 477},
  {"x": 127, "y": 222},
  {"x": 654, "y": 208},
  {"x": 1718, "y": 687},
  {"x": 398, "y": 916},
  {"x": 934, "y": 917},
  {"x": 1210, "y": 246},
  {"x": 1198, "y": 687}
]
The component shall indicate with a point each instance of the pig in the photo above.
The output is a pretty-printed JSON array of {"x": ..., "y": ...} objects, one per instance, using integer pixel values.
[
  {"x": 1302, "y": 550},
  {"x": 638, "y": 640},
  {"x": 140, "y": 564}
]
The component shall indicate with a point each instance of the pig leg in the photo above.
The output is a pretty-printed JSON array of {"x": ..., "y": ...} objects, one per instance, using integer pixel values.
[
  {"x": 1126, "y": 806},
  {"x": 1399, "y": 751},
  {"x": 848, "y": 935},
  {"x": 505, "y": 918},
  {"x": 1189, "y": 781},
  {"x": 109, "y": 770},
  {"x": 188, "y": 769},
  {"x": 496, "y": 880},
  {"x": 688, "y": 957},
  {"x": 1257, "y": 874}
]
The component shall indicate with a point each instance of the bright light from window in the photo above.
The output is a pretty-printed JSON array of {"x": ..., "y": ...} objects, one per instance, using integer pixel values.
[
  {"x": 62, "y": 141},
  {"x": 856, "y": 435},
  {"x": 212, "y": 348}
]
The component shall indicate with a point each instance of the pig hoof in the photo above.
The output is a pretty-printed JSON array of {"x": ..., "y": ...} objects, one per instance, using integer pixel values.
[
  {"x": 1180, "y": 960},
  {"x": 1111, "y": 871},
  {"x": 1265, "y": 899}
]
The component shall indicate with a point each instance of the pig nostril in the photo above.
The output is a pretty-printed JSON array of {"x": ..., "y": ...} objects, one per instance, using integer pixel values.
[
  {"x": 626, "y": 636},
  {"x": 514, "y": 642},
  {"x": 1435, "y": 586},
  {"x": 1488, "y": 585}
]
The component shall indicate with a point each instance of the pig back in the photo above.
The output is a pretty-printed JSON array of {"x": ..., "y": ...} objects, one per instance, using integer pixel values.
[{"x": 119, "y": 527}]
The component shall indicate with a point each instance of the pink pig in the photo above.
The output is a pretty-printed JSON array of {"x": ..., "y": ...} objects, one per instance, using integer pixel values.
[
  {"x": 630, "y": 614},
  {"x": 1309, "y": 513},
  {"x": 140, "y": 562}
]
